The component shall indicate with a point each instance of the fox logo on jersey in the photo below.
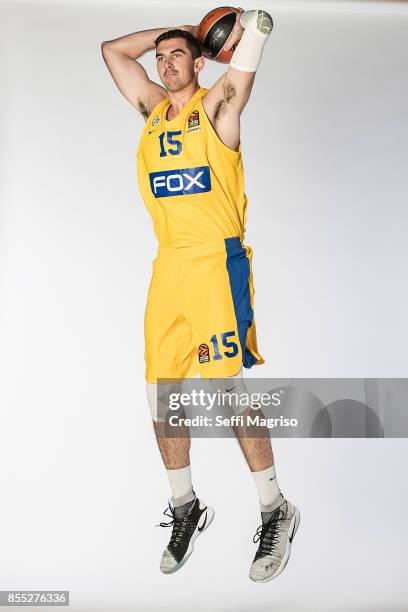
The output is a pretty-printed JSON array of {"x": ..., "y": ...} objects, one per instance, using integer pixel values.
[{"x": 185, "y": 181}]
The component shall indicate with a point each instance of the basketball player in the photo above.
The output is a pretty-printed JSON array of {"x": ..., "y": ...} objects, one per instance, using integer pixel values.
[{"x": 199, "y": 318}]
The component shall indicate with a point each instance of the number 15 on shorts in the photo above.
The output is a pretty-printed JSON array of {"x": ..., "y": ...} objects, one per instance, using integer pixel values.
[
  {"x": 223, "y": 346},
  {"x": 226, "y": 343}
]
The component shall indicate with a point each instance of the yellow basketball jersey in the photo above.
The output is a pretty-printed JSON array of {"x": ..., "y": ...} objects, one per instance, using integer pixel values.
[{"x": 191, "y": 182}]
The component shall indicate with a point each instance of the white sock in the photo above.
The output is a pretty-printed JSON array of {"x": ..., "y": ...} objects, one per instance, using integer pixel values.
[
  {"x": 181, "y": 486},
  {"x": 270, "y": 496}
]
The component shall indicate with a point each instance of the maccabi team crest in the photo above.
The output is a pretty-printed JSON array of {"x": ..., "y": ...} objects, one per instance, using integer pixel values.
[
  {"x": 193, "y": 119},
  {"x": 203, "y": 353}
]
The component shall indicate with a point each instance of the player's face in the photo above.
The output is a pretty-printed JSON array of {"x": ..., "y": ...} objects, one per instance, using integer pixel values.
[{"x": 175, "y": 64}]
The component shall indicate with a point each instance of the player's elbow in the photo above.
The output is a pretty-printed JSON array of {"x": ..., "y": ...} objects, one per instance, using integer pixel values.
[
  {"x": 265, "y": 15},
  {"x": 106, "y": 46}
]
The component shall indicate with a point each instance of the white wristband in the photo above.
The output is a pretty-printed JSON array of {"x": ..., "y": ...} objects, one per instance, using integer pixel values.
[{"x": 258, "y": 25}]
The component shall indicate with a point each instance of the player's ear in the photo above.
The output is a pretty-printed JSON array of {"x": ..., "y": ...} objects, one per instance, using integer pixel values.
[{"x": 199, "y": 63}]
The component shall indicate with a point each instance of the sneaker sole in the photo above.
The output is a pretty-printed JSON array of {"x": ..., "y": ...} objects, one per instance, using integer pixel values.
[
  {"x": 210, "y": 517},
  {"x": 294, "y": 526}
]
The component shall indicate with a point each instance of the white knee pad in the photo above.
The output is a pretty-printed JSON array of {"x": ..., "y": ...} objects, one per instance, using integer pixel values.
[
  {"x": 234, "y": 394},
  {"x": 159, "y": 398}
]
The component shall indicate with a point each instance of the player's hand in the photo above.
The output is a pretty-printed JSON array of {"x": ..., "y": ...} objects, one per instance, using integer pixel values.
[
  {"x": 193, "y": 29},
  {"x": 236, "y": 32}
]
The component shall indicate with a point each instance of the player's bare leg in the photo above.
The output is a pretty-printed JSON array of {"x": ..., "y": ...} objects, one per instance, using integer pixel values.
[
  {"x": 257, "y": 450},
  {"x": 175, "y": 452},
  {"x": 280, "y": 518},
  {"x": 189, "y": 515}
]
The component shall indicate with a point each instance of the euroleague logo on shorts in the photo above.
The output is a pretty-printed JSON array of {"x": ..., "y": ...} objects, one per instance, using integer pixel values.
[{"x": 203, "y": 353}]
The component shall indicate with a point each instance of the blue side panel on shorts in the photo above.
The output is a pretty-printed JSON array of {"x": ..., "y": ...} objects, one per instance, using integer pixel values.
[{"x": 238, "y": 271}]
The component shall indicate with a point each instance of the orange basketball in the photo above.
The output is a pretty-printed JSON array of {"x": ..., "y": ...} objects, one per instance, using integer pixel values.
[{"x": 214, "y": 30}]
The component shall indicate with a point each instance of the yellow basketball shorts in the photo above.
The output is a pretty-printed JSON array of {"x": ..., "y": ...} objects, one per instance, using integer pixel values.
[{"x": 199, "y": 317}]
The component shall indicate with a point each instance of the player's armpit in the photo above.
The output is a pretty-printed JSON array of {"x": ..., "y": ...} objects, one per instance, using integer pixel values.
[
  {"x": 223, "y": 111},
  {"x": 237, "y": 88},
  {"x": 229, "y": 94},
  {"x": 153, "y": 94},
  {"x": 224, "y": 103}
]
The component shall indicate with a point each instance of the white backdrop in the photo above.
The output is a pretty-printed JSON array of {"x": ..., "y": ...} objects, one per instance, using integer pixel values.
[{"x": 325, "y": 147}]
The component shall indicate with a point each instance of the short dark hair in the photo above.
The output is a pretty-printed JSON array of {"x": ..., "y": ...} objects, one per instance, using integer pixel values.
[{"x": 191, "y": 41}]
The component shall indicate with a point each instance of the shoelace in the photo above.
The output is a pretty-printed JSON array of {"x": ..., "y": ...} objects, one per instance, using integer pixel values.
[
  {"x": 172, "y": 515},
  {"x": 179, "y": 524},
  {"x": 267, "y": 533}
]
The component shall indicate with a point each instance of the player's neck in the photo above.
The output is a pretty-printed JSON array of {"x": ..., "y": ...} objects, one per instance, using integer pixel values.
[{"x": 178, "y": 99}]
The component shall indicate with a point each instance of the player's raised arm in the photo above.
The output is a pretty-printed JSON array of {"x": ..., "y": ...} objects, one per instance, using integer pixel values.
[
  {"x": 120, "y": 56},
  {"x": 226, "y": 99}
]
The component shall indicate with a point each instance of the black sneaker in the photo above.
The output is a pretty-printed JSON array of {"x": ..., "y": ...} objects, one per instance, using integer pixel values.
[
  {"x": 275, "y": 540},
  {"x": 185, "y": 530}
]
